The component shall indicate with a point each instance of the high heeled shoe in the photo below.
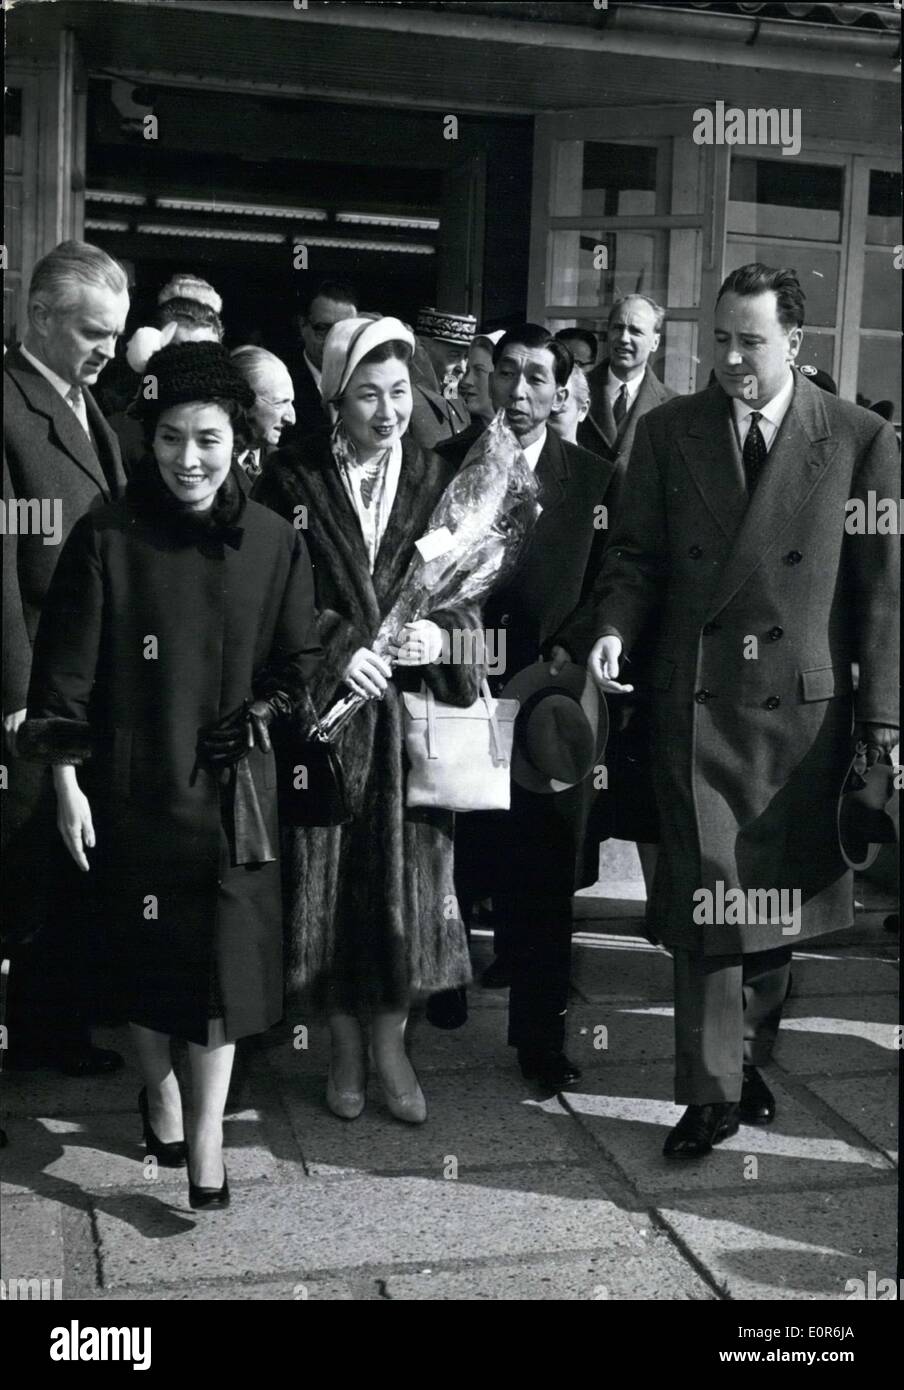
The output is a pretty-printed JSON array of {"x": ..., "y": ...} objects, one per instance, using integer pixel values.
[
  {"x": 346, "y": 1104},
  {"x": 409, "y": 1106},
  {"x": 171, "y": 1155},
  {"x": 208, "y": 1198}
]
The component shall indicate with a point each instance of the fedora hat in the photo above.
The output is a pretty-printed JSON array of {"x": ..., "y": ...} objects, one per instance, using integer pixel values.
[
  {"x": 561, "y": 728},
  {"x": 867, "y": 813}
]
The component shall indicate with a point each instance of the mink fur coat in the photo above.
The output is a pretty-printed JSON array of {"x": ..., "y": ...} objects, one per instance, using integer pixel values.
[{"x": 372, "y": 916}]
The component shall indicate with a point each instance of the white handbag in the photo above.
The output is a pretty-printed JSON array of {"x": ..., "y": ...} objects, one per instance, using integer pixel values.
[{"x": 459, "y": 757}]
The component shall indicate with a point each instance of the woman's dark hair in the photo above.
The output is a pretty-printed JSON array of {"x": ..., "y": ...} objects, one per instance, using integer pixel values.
[
  {"x": 238, "y": 418},
  {"x": 384, "y": 352}
]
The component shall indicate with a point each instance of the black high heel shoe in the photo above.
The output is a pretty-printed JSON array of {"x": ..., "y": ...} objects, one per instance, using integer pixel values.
[
  {"x": 173, "y": 1155},
  {"x": 208, "y": 1198}
]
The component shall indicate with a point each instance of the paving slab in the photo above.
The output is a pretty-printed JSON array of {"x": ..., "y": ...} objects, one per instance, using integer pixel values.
[
  {"x": 800, "y": 1246},
  {"x": 31, "y": 1239},
  {"x": 843, "y": 972},
  {"x": 475, "y": 1120},
  {"x": 613, "y": 1032},
  {"x": 628, "y": 1112},
  {"x": 335, "y": 1226},
  {"x": 833, "y": 1034},
  {"x": 279, "y": 1291},
  {"x": 92, "y": 1152},
  {"x": 49, "y": 1093},
  {"x": 869, "y": 1103},
  {"x": 659, "y": 1273},
  {"x": 614, "y": 967}
]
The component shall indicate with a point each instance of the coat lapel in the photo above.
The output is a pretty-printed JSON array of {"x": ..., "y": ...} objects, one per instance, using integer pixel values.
[
  {"x": 710, "y": 452},
  {"x": 601, "y": 416},
  {"x": 552, "y": 472},
  {"x": 414, "y": 502},
  {"x": 796, "y": 464},
  {"x": 68, "y": 433}
]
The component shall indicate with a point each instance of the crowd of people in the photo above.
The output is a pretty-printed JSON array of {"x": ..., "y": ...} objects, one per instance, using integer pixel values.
[{"x": 234, "y": 538}]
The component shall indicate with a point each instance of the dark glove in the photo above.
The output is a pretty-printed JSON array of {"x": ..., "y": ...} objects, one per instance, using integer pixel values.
[
  {"x": 878, "y": 740},
  {"x": 262, "y": 714},
  {"x": 225, "y": 743}
]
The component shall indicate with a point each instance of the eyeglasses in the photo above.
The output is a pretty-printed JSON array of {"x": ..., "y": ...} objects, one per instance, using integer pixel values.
[{"x": 320, "y": 330}]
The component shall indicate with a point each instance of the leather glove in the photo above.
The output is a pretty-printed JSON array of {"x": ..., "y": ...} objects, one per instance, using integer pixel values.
[
  {"x": 261, "y": 715},
  {"x": 225, "y": 743},
  {"x": 879, "y": 740}
]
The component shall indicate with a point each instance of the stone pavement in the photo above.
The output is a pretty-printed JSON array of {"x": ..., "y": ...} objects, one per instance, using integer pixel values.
[{"x": 504, "y": 1193}]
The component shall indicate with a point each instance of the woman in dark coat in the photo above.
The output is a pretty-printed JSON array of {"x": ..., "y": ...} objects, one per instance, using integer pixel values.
[
  {"x": 373, "y": 917},
  {"x": 180, "y": 621}
]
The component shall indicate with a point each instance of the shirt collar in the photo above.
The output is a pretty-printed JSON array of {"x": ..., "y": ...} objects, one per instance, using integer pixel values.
[
  {"x": 316, "y": 372},
  {"x": 615, "y": 384},
  {"x": 773, "y": 411},
  {"x": 57, "y": 382},
  {"x": 533, "y": 451}
]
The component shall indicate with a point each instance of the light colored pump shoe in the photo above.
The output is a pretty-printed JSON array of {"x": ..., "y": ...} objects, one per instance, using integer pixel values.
[
  {"x": 346, "y": 1104},
  {"x": 410, "y": 1107}
]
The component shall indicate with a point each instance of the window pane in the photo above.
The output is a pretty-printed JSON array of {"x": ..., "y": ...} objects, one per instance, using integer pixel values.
[
  {"x": 781, "y": 197},
  {"x": 590, "y": 268},
  {"x": 816, "y": 269},
  {"x": 595, "y": 178},
  {"x": 883, "y": 220},
  {"x": 675, "y": 361},
  {"x": 881, "y": 291},
  {"x": 879, "y": 371}
]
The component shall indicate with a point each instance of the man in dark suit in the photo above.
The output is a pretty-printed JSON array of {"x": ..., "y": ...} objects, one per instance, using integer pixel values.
[
  {"x": 530, "y": 859},
  {"x": 624, "y": 387},
  {"x": 741, "y": 526},
  {"x": 272, "y": 414},
  {"x": 331, "y": 302},
  {"x": 60, "y": 458}
]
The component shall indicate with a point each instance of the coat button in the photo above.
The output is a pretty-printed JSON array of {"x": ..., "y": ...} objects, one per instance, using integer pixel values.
[
  {"x": 775, "y": 633},
  {"x": 793, "y": 557},
  {"x": 710, "y": 628},
  {"x": 702, "y": 696},
  {"x": 772, "y": 703},
  {"x": 695, "y": 552}
]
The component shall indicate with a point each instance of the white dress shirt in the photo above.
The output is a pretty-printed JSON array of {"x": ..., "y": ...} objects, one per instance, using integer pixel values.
[
  {"x": 72, "y": 395},
  {"x": 614, "y": 385},
  {"x": 771, "y": 414},
  {"x": 533, "y": 451}
]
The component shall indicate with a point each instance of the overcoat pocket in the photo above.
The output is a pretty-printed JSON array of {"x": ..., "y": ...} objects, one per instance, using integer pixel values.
[{"x": 824, "y": 682}]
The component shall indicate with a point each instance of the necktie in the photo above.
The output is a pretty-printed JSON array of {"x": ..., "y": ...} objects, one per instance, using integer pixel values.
[
  {"x": 76, "y": 400},
  {"x": 754, "y": 456},
  {"x": 620, "y": 408}
]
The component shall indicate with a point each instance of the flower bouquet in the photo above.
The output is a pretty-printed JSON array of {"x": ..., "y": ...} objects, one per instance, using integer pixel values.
[{"x": 475, "y": 537}]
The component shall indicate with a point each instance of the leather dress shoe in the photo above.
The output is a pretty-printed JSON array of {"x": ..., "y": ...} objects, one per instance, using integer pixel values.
[
  {"x": 170, "y": 1153},
  {"x": 411, "y": 1107},
  {"x": 498, "y": 974},
  {"x": 348, "y": 1105},
  {"x": 551, "y": 1069},
  {"x": 757, "y": 1103},
  {"x": 700, "y": 1127}
]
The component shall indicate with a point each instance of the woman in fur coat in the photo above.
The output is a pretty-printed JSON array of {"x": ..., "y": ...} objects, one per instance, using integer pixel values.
[
  {"x": 180, "y": 621},
  {"x": 373, "y": 917}
]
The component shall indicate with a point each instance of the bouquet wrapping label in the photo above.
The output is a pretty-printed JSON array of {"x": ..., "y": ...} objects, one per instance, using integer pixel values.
[{"x": 435, "y": 543}]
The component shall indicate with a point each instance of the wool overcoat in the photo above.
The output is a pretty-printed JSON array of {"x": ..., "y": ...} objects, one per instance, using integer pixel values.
[
  {"x": 372, "y": 913},
  {"x": 46, "y": 457},
  {"x": 766, "y": 606},
  {"x": 152, "y": 631}
]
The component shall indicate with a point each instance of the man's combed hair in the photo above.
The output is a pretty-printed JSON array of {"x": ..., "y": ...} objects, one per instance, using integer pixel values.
[
  {"x": 338, "y": 291},
  {"x": 59, "y": 277},
  {"x": 658, "y": 311},
  {"x": 255, "y": 363},
  {"x": 534, "y": 335},
  {"x": 580, "y": 335},
  {"x": 756, "y": 278}
]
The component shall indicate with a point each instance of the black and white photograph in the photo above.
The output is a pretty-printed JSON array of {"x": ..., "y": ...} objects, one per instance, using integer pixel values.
[{"x": 450, "y": 644}]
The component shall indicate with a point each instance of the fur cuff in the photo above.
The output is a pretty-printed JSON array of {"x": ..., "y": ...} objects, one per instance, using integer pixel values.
[{"x": 59, "y": 741}]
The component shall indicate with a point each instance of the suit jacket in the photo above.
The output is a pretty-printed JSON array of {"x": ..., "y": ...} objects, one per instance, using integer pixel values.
[
  {"x": 599, "y": 432},
  {"x": 765, "y": 605},
  {"x": 310, "y": 415},
  {"x": 538, "y": 846},
  {"x": 46, "y": 454}
]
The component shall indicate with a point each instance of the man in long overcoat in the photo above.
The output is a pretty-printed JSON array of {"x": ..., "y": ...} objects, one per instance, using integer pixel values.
[
  {"x": 60, "y": 459},
  {"x": 736, "y": 526},
  {"x": 530, "y": 858}
]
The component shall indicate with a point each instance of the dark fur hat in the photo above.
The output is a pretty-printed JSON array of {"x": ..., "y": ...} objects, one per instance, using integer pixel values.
[{"x": 183, "y": 372}]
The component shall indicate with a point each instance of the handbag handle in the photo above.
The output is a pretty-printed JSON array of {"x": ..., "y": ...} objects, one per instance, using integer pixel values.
[{"x": 496, "y": 746}]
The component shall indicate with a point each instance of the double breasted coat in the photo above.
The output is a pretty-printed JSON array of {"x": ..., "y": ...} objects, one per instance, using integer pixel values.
[
  {"x": 371, "y": 908},
  {"x": 765, "y": 607},
  {"x": 47, "y": 457},
  {"x": 537, "y": 848},
  {"x": 155, "y": 627}
]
